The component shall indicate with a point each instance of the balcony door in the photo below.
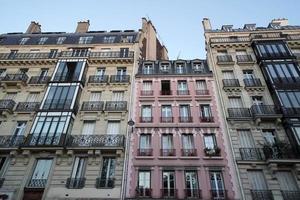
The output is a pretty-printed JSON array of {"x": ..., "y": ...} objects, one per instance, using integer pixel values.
[
  {"x": 146, "y": 113},
  {"x": 287, "y": 181},
  {"x": 121, "y": 71},
  {"x": 20, "y": 128},
  {"x": 40, "y": 173},
  {"x": 257, "y": 180},
  {"x": 144, "y": 184},
  {"x": 167, "y": 142},
  {"x": 113, "y": 128},
  {"x": 191, "y": 184},
  {"x": 108, "y": 172},
  {"x": 187, "y": 142},
  {"x": 217, "y": 185},
  {"x": 168, "y": 183},
  {"x": 118, "y": 96}
]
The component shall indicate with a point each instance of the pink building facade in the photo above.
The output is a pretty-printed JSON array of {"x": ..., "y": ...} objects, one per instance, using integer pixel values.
[{"x": 177, "y": 147}]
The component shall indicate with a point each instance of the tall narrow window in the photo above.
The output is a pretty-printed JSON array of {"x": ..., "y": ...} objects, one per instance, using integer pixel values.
[
  {"x": 166, "y": 113},
  {"x": 20, "y": 128},
  {"x": 146, "y": 113},
  {"x": 69, "y": 71},
  {"x": 248, "y": 150},
  {"x": 148, "y": 69},
  {"x": 23, "y": 41},
  {"x": 43, "y": 73},
  {"x": 210, "y": 141},
  {"x": 180, "y": 68},
  {"x": 42, "y": 40},
  {"x": 188, "y": 148},
  {"x": 145, "y": 145},
  {"x": 168, "y": 189},
  {"x": 259, "y": 187},
  {"x": 270, "y": 137},
  {"x": 217, "y": 185},
  {"x": 235, "y": 102},
  {"x": 167, "y": 145},
  {"x": 144, "y": 184},
  {"x": 77, "y": 179},
  {"x": 185, "y": 113},
  {"x": 113, "y": 127},
  {"x": 59, "y": 98},
  {"x": 228, "y": 74},
  {"x": 191, "y": 185},
  {"x": 182, "y": 88},
  {"x": 287, "y": 183},
  {"x": 40, "y": 174},
  {"x": 60, "y": 40},
  {"x": 147, "y": 88},
  {"x": 205, "y": 113},
  {"x": 88, "y": 127},
  {"x": 108, "y": 172},
  {"x": 201, "y": 87},
  {"x": 165, "y": 88}
]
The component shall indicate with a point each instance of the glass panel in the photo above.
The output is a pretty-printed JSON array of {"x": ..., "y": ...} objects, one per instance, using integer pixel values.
[
  {"x": 167, "y": 142},
  {"x": 257, "y": 180},
  {"x": 42, "y": 169}
]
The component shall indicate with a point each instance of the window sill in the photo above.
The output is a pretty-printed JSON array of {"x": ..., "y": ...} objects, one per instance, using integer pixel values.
[
  {"x": 167, "y": 157},
  {"x": 144, "y": 157},
  {"x": 213, "y": 158},
  {"x": 189, "y": 157}
]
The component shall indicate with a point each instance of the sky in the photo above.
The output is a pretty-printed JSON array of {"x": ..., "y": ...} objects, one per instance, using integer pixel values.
[{"x": 178, "y": 22}]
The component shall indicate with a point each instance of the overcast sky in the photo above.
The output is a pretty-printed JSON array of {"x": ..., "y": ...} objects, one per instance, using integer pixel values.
[{"x": 178, "y": 22}]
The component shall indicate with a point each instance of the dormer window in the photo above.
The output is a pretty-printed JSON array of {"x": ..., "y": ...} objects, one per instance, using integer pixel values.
[
  {"x": 109, "y": 39},
  {"x": 43, "y": 40},
  {"x": 60, "y": 40},
  {"x": 129, "y": 38},
  {"x": 227, "y": 28},
  {"x": 198, "y": 67},
  {"x": 23, "y": 41},
  {"x": 85, "y": 40},
  {"x": 164, "y": 67},
  {"x": 148, "y": 69},
  {"x": 180, "y": 68}
]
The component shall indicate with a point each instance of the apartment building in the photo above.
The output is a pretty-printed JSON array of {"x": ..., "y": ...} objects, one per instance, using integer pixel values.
[
  {"x": 65, "y": 100},
  {"x": 257, "y": 77},
  {"x": 177, "y": 147}
]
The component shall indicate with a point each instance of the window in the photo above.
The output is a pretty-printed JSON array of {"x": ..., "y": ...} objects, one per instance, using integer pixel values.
[
  {"x": 23, "y": 41},
  {"x": 44, "y": 72},
  {"x": 290, "y": 99},
  {"x": 2, "y": 73},
  {"x": 113, "y": 127},
  {"x": 77, "y": 176},
  {"x": 248, "y": 74},
  {"x": 68, "y": 71},
  {"x": 210, "y": 141},
  {"x": 95, "y": 96},
  {"x": 166, "y": 113},
  {"x": 283, "y": 73},
  {"x": 269, "y": 136},
  {"x": 217, "y": 185},
  {"x": 33, "y": 97},
  {"x": 180, "y": 68},
  {"x": 187, "y": 141},
  {"x": 20, "y": 128},
  {"x": 274, "y": 49},
  {"x": 118, "y": 96},
  {"x": 165, "y": 67},
  {"x": 42, "y": 40},
  {"x": 147, "y": 86},
  {"x": 108, "y": 172},
  {"x": 182, "y": 88},
  {"x": 165, "y": 88},
  {"x": 287, "y": 181},
  {"x": 10, "y": 96},
  {"x": 168, "y": 184},
  {"x": 205, "y": 113},
  {"x": 129, "y": 38},
  {"x": 40, "y": 174},
  {"x": 59, "y": 97},
  {"x": 257, "y": 180},
  {"x": 198, "y": 67},
  {"x": 145, "y": 141},
  {"x": 148, "y": 69},
  {"x": 235, "y": 102},
  {"x": 146, "y": 113},
  {"x": 201, "y": 85},
  {"x": 246, "y": 139},
  {"x": 144, "y": 183},
  {"x": 167, "y": 145},
  {"x": 296, "y": 131},
  {"x": 60, "y": 40},
  {"x": 109, "y": 39},
  {"x": 184, "y": 113},
  {"x": 228, "y": 74},
  {"x": 4, "y": 163},
  {"x": 191, "y": 184},
  {"x": 88, "y": 127},
  {"x": 85, "y": 40},
  {"x": 121, "y": 71},
  {"x": 100, "y": 71}
]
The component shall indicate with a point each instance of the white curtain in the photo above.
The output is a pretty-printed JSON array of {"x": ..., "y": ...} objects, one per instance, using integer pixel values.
[
  {"x": 209, "y": 141},
  {"x": 147, "y": 85},
  {"x": 235, "y": 102},
  {"x": 113, "y": 127},
  {"x": 88, "y": 127},
  {"x": 167, "y": 141},
  {"x": 95, "y": 96},
  {"x": 184, "y": 111},
  {"x": 11, "y": 95},
  {"x": 78, "y": 167},
  {"x": 286, "y": 181},
  {"x": 146, "y": 111},
  {"x": 42, "y": 169},
  {"x": 246, "y": 139},
  {"x": 145, "y": 141},
  {"x": 187, "y": 141},
  {"x": 33, "y": 97},
  {"x": 182, "y": 85},
  {"x": 201, "y": 85},
  {"x": 257, "y": 180},
  {"x": 166, "y": 111},
  {"x": 228, "y": 74},
  {"x": 269, "y": 137},
  {"x": 118, "y": 96},
  {"x": 144, "y": 179},
  {"x": 205, "y": 111}
]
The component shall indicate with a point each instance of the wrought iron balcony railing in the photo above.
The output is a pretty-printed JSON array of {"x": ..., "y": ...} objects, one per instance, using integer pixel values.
[
  {"x": 244, "y": 58},
  {"x": 26, "y": 56},
  {"x": 168, "y": 152},
  {"x": 15, "y": 77},
  {"x": 212, "y": 151},
  {"x": 231, "y": 83},
  {"x": 7, "y": 141},
  {"x": 146, "y": 119},
  {"x": 116, "y": 106},
  {"x": 183, "y": 92},
  {"x": 188, "y": 152},
  {"x": 28, "y": 106},
  {"x": 146, "y": 92},
  {"x": 143, "y": 192},
  {"x": 187, "y": 119},
  {"x": 290, "y": 195},
  {"x": 119, "y": 78},
  {"x": 7, "y": 104},
  {"x": 39, "y": 80},
  {"x": 252, "y": 82},
  {"x": 207, "y": 119},
  {"x": 75, "y": 53},
  {"x": 218, "y": 194},
  {"x": 166, "y": 119},
  {"x": 37, "y": 183},
  {"x": 96, "y": 141},
  {"x": 98, "y": 79},
  {"x": 224, "y": 58},
  {"x": 165, "y": 92},
  {"x": 92, "y": 106},
  {"x": 192, "y": 193},
  {"x": 278, "y": 152},
  {"x": 251, "y": 154},
  {"x": 202, "y": 92},
  {"x": 169, "y": 193},
  {"x": 105, "y": 182},
  {"x": 44, "y": 141},
  {"x": 239, "y": 113},
  {"x": 145, "y": 152},
  {"x": 111, "y": 54},
  {"x": 75, "y": 183},
  {"x": 261, "y": 194},
  {"x": 264, "y": 110}
]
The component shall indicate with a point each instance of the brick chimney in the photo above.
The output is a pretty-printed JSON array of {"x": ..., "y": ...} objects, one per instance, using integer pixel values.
[
  {"x": 34, "y": 27},
  {"x": 206, "y": 24},
  {"x": 83, "y": 26},
  {"x": 281, "y": 21}
]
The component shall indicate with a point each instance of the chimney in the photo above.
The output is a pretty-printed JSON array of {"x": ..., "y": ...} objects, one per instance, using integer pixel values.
[
  {"x": 82, "y": 26},
  {"x": 34, "y": 27},
  {"x": 281, "y": 22},
  {"x": 206, "y": 24}
]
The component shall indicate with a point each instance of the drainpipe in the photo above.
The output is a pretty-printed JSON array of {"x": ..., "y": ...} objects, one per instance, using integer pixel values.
[{"x": 226, "y": 126}]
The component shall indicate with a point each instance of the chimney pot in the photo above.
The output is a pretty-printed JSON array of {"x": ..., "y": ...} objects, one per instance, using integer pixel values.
[
  {"x": 83, "y": 26},
  {"x": 34, "y": 27},
  {"x": 206, "y": 24}
]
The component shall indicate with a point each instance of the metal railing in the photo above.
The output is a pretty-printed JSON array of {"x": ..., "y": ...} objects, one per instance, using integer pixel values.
[
  {"x": 92, "y": 106},
  {"x": 252, "y": 82},
  {"x": 119, "y": 78},
  {"x": 75, "y": 53},
  {"x": 25, "y": 56},
  {"x": 15, "y": 77},
  {"x": 187, "y": 119},
  {"x": 168, "y": 193},
  {"x": 143, "y": 192},
  {"x": 42, "y": 141},
  {"x": 261, "y": 194},
  {"x": 28, "y": 106},
  {"x": 146, "y": 119},
  {"x": 167, "y": 152},
  {"x": 188, "y": 152},
  {"x": 11, "y": 140},
  {"x": 192, "y": 193},
  {"x": 183, "y": 92},
  {"x": 229, "y": 39},
  {"x": 290, "y": 195},
  {"x": 145, "y": 152},
  {"x": 105, "y": 183},
  {"x": 98, "y": 79},
  {"x": 264, "y": 110},
  {"x": 244, "y": 58},
  {"x": 111, "y": 54},
  {"x": 37, "y": 183},
  {"x": 75, "y": 183},
  {"x": 224, "y": 58},
  {"x": 202, "y": 92},
  {"x": 166, "y": 119},
  {"x": 251, "y": 154},
  {"x": 116, "y": 106},
  {"x": 39, "y": 80},
  {"x": 96, "y": 141},
  {"x": 146, "y": 92},
  {"x": 239, "y": 113},
  {"x": 212, "y": 151},
  {"x": 7, "y": 104},
  {"x": 278, "y": 152},
  {"x": 165, "y": 92},
  {"x": 218, "y": 194},
  {"x": 231, "y": 82},
  {"x": 207, "y": 119}
]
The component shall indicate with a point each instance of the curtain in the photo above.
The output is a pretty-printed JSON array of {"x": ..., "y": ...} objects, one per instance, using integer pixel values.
[
  {"x": 228, "y": 74},
  {"x": 184, "y": 111},
  {"x": 20, "y": 128},
  {"x": 78, "y": 167},
  {"x": 286, "y": 181},
  {"x": 167, "y": 141},
  {"x": 144, "y": 179},
  {"x": 95, "y": 96},
  {"x": 246, "y": 139},
  {"x": 209, "y": 141},
  {"x": 205, "y": 111},
  {"x": 146, "y": 111},
  {"x": 33, "y": 97},
  {"x": 257, "y": 180},
  {"x": 113, "y": 128},
  {"x": 145, "y": 141},
  {"x": 201, "y": 85},
  {"x": 235, "y": 102},
  {"x": 88, "y": 127},
  {"x": 187, "y": 141},
  {"x": 118, "y": 96},
  {"x": 147, "y": 85},
  {"x": 42, "y": 169},
  {"x": 182, "y": 85},
  {"x": 166, "y": 111}
]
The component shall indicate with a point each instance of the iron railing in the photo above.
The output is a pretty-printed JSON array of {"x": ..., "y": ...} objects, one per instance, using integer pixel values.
[
  {"x": 75, "y": 183},
  {"x": 278, "y": 152},
  {"x": 167, "y": 152},
  {"x": 28, "y": 106},
  {"x": 75, "y": 53},
  {"x": 96, "y": 141},
  {"x": 166, "y": 119},
  {"x": 146, "y": 92},
  {"x": 119, "y": 78},
  {"x": 188, "y": 152},
  {"x": 212, "y": 151},
  {"x": 11, "y": 140},
  {"x": 224, "y": 58},
  {"x": 219, "y": 194},
  {"x": 105, "y": 182},
  {"x": 92, "y": 106},
  {"x": 111, "y": 54},
  {"x": 44, "y": 141},
  {"x": 37, "y": 183},
  {"x": 165, "y": 92},
  {"x": 39, "y": 80},
  {"x": 192, "y": 193},
  {"x": 239, "y": 113},
  {"x": 261, "y": 194},
  {"x": 202, "y": 92},
  {"x": 252, "y": 82},
  {"x": 25, "y": 56},
  {"x": 187, "y": 119},
  {"x": 207, "y": 119},
  {"x": 98, "y": 79},
  {"x": 7, "y": 104},
  {"x": 143, "y": 192},
  {"x": 145, "y": 152},
  {"x": 231, "y": 83},
  {"x": 183, "y": 92},
  {"x": 146, "y": 119},
  {"x": 290, "y": 195},
  {"x": 251, "y": 154},
  {"x": 169, "y": 193},
  {"x": 15, "y": 77},
  {"x": 264, "y": 110},
  {"x": 116, "y": 106},
  {"x": 244, "y": 58}
]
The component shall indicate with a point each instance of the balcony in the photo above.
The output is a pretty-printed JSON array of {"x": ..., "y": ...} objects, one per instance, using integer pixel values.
[
  {"x": 92, "y": 106},
  {"x": 27, "y": 56},
  {"x": 146, "y": 119},
  {"x": 239, "y": 113},
  {"x": 11, "y": 141},
  {"x": 167, "y": 152},
  {"x": 69, "y": 78},
  {"x": 105, "y": 183},
  {"x": 14, "y": 80},
  {"x": 102, "y": 79},
  {"x": 244, "y": 59},
  {"x": 44, "y": 141},
  {"x": 146, "y": 92},
  {"x": 7, "y": 106},
  {"x": 119, "y": 78},
  {"x": 166, "y": 119},
  {"x": 251, "y": 154},
  {"x": 225, "y": 60},
  {"x": 188, "y": 152},
  {"x": 202, "y": 92},
  {"x": 261, "y": 194},
  {"x": 25, "y": 107},
  {"x": 231, "y": 85},
  {"x": 39, "y": 80},
  {"x": 291, "y": 112},
  {"x": 218, "y": 194},
  {"x": 37, "y": 183},
  {"x": 99, "y": 141},
  {"x": 77, "y": 53},
  {"x": 142, "y": 192},
  {"x": 290, "y": 195},
  {"x": 266, "y": 112},
  {"x": 116, "y": 106},
  {"x": 252, "y": 82},
  {"x": 279, "y": 152},
  {"x": 183, "y": 92},
  {"x": 187, "y": 119},
  {"x": 75, "y": 183},
  {"x": 207, "y": 119},
  {"x": 212, "y": 152},
  {"x": 111, "y": 54},
  {"x": 165, "y": 92},
  {"x": 34, "y": 189},
  {"x": 145, "y": 152},
  {"x": 168, "y": 193},
  {"x": 192, "y": 193}
]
